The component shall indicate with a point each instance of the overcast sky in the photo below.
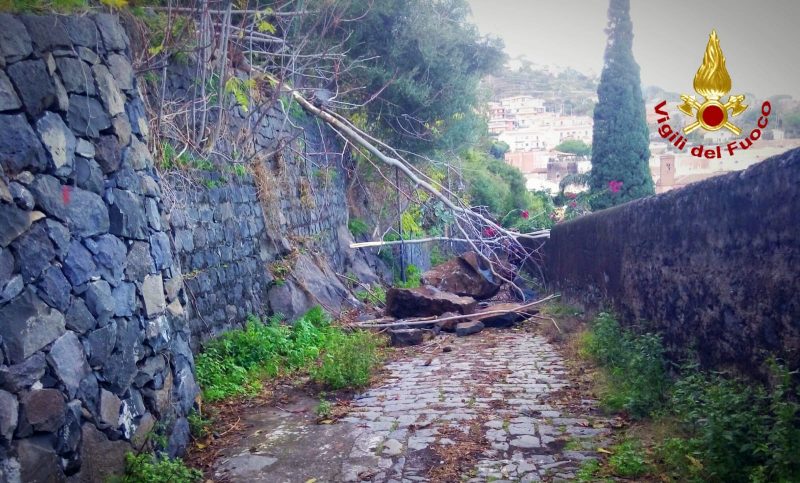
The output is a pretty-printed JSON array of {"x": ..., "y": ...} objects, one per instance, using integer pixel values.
[{"x": 760, "y": 39}]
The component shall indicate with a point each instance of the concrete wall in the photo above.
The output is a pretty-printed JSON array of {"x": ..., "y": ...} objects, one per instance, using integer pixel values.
[
  {"x": 93, "y": 344},
  {"x": 714, "y": 266}
]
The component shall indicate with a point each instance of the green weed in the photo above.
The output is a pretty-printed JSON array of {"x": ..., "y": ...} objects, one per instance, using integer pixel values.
[
  {"x": 413, "y": 278},
  {"x": 235, "y": 363},
  {"x": 198, "y": 425},
  {"x": 628, "y": 460},
  {"x": 587, "y": 471},
  {"x": 147, "y": 468},
  {"x": 634, "y": 364},
  {"x": 357, "y": 227},
  {"x": 375, "y": 295},
  {"x": 348, "y": 360},
  {"x": 323, "y": 409}
]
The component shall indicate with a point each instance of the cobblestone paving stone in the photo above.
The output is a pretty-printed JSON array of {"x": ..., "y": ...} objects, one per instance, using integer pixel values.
[{"x": 505, "y": 380}]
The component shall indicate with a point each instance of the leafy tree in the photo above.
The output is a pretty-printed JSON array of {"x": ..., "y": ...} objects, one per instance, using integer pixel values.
[
  {"x": 620, "y": 151},
  {"x": 498, "y": 149},
  {"x": 416, "y": 65},
  {"x": 575, "y": 146}
]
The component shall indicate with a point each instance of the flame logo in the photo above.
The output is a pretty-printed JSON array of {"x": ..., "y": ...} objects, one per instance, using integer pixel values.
[{"x": 712, "y": 80}]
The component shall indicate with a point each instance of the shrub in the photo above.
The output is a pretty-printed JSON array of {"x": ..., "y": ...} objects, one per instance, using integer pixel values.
[
  {"x": 628, "y": 460},
  {"x": 635, "y": 365},
  {"x": 357, "y": 227},
  {"x": 375, "y": 295},
  {"x": 146, "y": 468},
  {"x": 348, "y": 360},
  {"x": 413, "y": 278},
  {"x": 235, "y": 363},
  {"x": 733, "y": 431}
]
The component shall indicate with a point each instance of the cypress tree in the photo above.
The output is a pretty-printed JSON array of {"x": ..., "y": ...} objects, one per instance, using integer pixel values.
[{"x": 620, "y": 145}]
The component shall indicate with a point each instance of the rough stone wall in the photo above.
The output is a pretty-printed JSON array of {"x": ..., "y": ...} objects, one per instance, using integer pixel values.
[
  {"x": 94, "y": 347},
  {"x": 713, "y": 266},
  {"x": 227, "y": 244}
]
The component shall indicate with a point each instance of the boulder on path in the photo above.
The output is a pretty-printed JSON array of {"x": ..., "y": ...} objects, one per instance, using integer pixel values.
[
  {"x": 408, "y": 337},
  {"x": 425, "y": 301},
  {"x": 468, "y": 328},
  {"x": 466, "y": 275},
  {"x": 513, "y": 314}
]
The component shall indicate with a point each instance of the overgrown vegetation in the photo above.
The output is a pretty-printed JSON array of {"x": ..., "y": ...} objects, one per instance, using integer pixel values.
[
  {"x": 148, "y": 468},
  {"x": 719, "y": 428},
  {"x": 237, "y": 362},
  {"x": 635, "y": 366},
  {"x": 375, "y": 295},
  {"x": 357, "y": 227},
  {"x": 413, "y": 278}
]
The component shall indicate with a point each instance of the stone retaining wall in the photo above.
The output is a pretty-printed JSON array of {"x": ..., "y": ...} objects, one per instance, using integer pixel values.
[
  {"x": 94, "y": 344},
  {"x": 712, "y": 266}
]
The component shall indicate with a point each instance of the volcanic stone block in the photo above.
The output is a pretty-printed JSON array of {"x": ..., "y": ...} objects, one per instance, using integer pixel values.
[
  {"x": 127, "y": 215},
  {"x": 38, "y": 460},
  {"x": 58, "y": 140},
  {"x": 34, "y": 84},
  {"x": 68, "y": 361},
  {"x": 42, "y": 410},
  {"x": 20, "y": 147},
  {"x": 28, "y": 325},
  {"x": 86, "y": 116},
  {"x": 79, "y": 265},
  {"x": 153, "y": 295},
  {"x": 47, "y": 32},
  {"x": 17, "y": 377},
  {"x": 109, "y": 92},
  {"x": 8, "y": 98},
  {"x": 15, "y": 43},
  {"x": 34, "y": 251},
  {"x": 13, "y": 223},
  {"x": 111, "y": 32},
  {"x": 78, "y": 317},
  {"x": 9, "y": 407},
  {"x": 84, "y": 212},
  {"x": 76, "y": 76}
]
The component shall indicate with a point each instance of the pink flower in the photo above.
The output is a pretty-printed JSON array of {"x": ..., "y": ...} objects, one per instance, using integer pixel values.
[
  {"x": 488, "y": 232},
  {"x": 524, "y": 214},
  {"x": 615, "y": 186},
  {"x": 65, "y": 194},
  {"x": 573, "y": 204},
  {"x": 572, "y": 196}
]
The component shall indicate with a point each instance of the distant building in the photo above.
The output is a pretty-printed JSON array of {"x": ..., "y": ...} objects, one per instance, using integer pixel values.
[{"x": 672, "y": 170}]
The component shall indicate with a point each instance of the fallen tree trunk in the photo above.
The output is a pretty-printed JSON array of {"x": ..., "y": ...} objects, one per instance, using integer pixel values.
[{"x": 378, "y": 323}]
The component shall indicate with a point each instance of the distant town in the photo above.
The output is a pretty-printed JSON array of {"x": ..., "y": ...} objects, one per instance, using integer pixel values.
[{"x": 536, "y": 135}]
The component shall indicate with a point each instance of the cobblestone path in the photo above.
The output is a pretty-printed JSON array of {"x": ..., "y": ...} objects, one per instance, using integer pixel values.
[{"x": 491, "y": 403}]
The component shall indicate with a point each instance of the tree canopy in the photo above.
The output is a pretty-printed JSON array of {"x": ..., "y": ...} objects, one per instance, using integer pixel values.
[
  {"x": 620, "y": 145},
  {"x": 418, "y": 65}
]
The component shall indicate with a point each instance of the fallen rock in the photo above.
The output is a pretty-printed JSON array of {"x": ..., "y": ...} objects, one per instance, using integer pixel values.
[
  {"x": 464, "y": 275},
  {"x": 406, "y": 337},
  {"x": 425, "y": 301},
  {"x": 513, "y": 315},
  {"x": 468, "y": 328},
  {"x": 448, "y": 325}
]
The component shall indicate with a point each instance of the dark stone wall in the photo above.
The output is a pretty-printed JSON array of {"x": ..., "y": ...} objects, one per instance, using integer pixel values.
[
  {"x": 714, "y": 266},
  {"x": 94, "y": 346},
  {"x": 289, "y": 210}
]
